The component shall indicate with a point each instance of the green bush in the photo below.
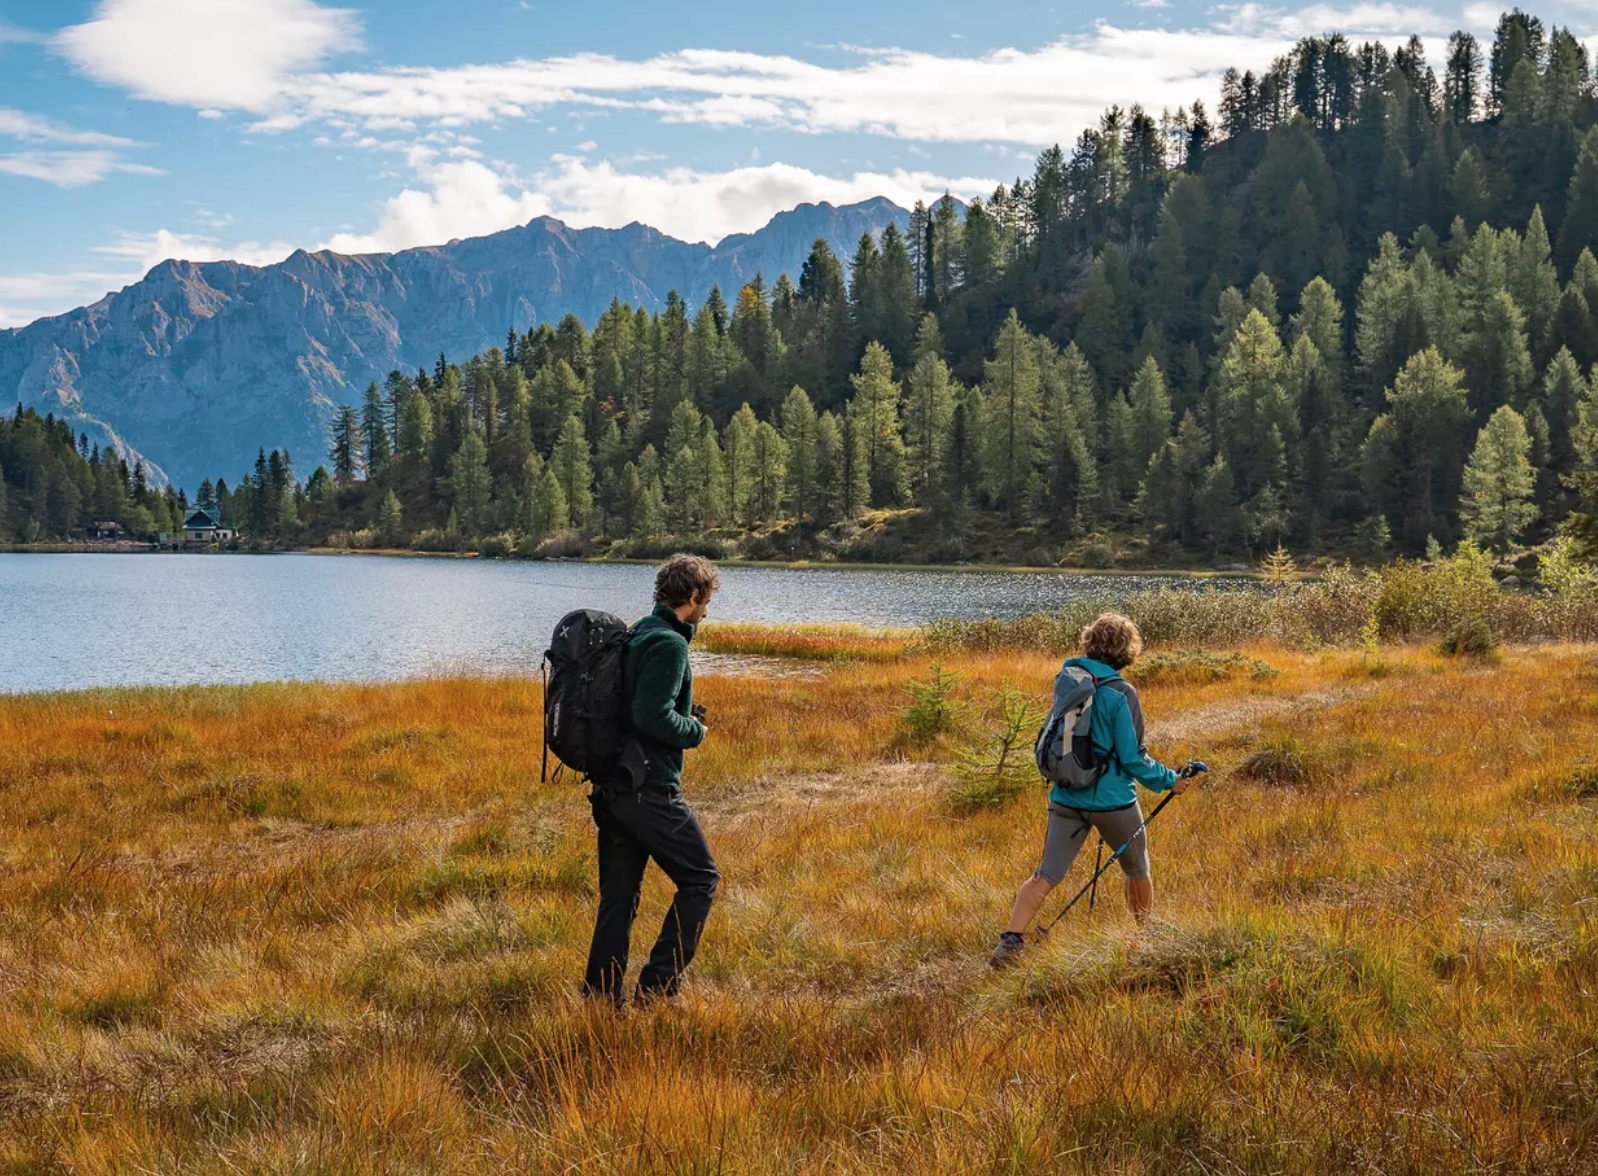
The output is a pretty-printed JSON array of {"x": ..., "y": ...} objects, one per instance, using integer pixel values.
[
  {"x": 997, "y": 765},
  {"x": 1282, "y": 760},
  {"x": 933, "y": 711},
  {"x": 496, "y": 546},
  {"x": 1197, "y": 667},
  {"x": 1453, "y": 597},
  {"x": 1581, "y": 782},
  {"x": 1471, "y": 638}
]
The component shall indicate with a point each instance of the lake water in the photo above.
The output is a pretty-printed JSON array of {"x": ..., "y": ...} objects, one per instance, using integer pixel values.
[{"x": 80, "y": 620}]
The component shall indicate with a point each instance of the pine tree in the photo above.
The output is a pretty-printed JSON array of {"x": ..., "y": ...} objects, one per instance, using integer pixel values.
[
  {"x": 469, "y": 484},
  {"x": 1121, "y": 472},
  {"x": 1071, "y": 474},
  {"x": 1011, "y": 438},
  {"x": 1278, "y": 567},
  {"x": 1151, "y": 414},
  {"x": 1580, "y": 228},
  {"x": 390, "y": 522},
  {"x": 829, "y": 470},
  {"x": 345, "y": 449},
  {"x": 712, "y": 470},
  {"x": 768, "y": 470},
  {"x": 1105, "y": 333},
  {"x": 374, "y": 432},
  {"x": 1257, "y": 419},
  {"x": 929, "y": 411},
  {"x": 876, "y": 405},
  {"x": 1496, "y": 506},
  {"x": 1564, "y": 391},
  {"x": 799, "y": 434},
  {"x": 1468, "y": 187},
  {"x": 1414, "y": 454},
  {"x": 1497, "y": 360},
  {"x": 739, "y": 446},
  {"x": 571, "y": 466},
  {"x": 548, "y": 510},
  {"x": 1534, "y": 283}
]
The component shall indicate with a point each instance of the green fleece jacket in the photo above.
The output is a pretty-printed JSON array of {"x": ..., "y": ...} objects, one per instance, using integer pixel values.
[{"x": 661, "y": 687}]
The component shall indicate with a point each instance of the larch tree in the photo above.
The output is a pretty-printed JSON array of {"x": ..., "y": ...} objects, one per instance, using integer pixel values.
[
  {"x": 1011, "y": 436},
  {"x": 877, "y": 405},
  {"x": 572, "y": 467},
  {"x": 929, "y": 410},
  {"x": 799, "y": 434},
  {"x": 1496, "y": 505}
]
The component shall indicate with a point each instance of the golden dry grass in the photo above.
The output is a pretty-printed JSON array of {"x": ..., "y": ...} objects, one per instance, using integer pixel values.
[{"x": 336, "y": 929}]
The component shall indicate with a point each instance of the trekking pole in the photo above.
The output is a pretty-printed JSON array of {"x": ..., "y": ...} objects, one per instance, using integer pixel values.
[
  {"x": 1098, "y": 864},
  {"x": 1192, "y": 769}
]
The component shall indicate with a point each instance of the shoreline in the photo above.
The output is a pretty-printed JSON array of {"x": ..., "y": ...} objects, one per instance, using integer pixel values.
[{"x": 772, "y": 565}]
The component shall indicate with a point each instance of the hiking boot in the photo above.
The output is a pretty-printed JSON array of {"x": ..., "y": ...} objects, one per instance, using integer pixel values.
[
  {"x": 650, "y": 999},
  {"x": 1008, "y": 952}
]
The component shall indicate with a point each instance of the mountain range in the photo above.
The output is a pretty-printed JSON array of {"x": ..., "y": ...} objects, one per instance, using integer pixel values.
[{"x": 199, "y": 364}]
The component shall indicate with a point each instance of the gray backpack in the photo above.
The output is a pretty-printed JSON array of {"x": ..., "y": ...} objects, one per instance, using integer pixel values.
[{"x": 1064, "y": 751}]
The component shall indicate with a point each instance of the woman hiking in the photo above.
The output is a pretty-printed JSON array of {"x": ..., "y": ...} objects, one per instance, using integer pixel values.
[{"x": 1109, "y": 645}]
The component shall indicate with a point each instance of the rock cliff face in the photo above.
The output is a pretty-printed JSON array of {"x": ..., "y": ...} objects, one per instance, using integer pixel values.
[{"x": 198, "y": 365}]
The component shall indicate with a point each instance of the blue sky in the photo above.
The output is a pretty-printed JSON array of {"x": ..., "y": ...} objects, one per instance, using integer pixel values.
[{"x": 135, "y": 130}]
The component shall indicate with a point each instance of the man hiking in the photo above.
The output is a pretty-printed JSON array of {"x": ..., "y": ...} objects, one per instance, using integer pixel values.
[
  {"x": 639, "y": 809},
  {"x": 1110, "y": 804}
]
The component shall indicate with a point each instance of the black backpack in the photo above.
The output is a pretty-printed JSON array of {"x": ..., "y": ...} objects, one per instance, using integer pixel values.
[{"x": 585, "y": 703}]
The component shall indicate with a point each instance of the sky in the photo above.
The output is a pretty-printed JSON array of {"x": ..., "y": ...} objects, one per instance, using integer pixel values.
[{"x": 132, "y": 131}]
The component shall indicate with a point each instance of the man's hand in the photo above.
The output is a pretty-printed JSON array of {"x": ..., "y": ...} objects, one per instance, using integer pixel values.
[{"x": 698, "y": 712}]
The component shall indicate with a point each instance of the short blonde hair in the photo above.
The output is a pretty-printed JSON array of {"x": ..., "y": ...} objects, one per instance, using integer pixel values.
[{"x": 1113, "y": 640}]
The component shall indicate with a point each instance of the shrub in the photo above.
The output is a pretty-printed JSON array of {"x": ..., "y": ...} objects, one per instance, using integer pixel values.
[
  {"x": 496, "y": 546},
  {"x": 1196, "y": 667},
  {"x": 934, "y": 711},
  {"x": 664, "y": 546},
  {"x": 997, "y": 765},
  {"x": 564, "y": 545},
  {"x": 1581, "y": 781},
  {"x": 1282, "y": 760},
  {"x": 434, "y": 539},
  {"x": 1471, "y": 638}
]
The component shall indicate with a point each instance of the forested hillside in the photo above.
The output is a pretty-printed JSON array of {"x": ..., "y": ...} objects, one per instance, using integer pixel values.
[{"x": 1350, "y": 311}]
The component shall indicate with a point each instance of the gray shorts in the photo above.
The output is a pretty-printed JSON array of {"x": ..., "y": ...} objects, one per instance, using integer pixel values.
[{"x": 1068, "y": 832}]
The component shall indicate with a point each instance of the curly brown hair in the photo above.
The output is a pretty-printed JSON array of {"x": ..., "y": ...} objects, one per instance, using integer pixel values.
[
  {"x": 1113, "y": 640},
  {"x": 682, "y": 577}
]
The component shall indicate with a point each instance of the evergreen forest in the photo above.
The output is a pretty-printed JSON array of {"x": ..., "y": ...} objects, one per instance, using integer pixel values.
[{"x": 1352, "y": 311}]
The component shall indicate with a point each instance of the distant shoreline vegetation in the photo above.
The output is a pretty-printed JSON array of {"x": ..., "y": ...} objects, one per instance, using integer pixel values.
[{"x": 1139, "y": 355}]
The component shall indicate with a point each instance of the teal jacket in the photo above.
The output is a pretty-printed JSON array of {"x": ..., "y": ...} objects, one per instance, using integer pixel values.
[
  {"x": 1115, "y": 735},
  {"x": 661, "y": 686}
]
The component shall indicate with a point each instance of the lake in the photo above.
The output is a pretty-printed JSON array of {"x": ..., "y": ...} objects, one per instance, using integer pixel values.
[{"x": 79, "y": 620}]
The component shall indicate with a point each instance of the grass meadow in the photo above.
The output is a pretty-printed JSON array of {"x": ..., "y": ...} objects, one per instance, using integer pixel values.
[{"x": 317, "y": 929}]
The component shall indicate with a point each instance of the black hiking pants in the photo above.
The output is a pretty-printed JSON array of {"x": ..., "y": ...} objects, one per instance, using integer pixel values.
[{"x": 634, "y": 827}]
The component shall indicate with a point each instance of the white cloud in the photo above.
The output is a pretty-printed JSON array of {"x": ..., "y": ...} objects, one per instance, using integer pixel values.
[
  {"x": 18, "y": 124},
  {"x": 1032, "y": 97},
  {"x": 469, "y": 199},
  {"x": 70, "y": 169},
  {"x": 70, "y": 158},
  {"x": 207, "y": 53},
  {"x": 28, "y": 296},
  {"x": 1369, "y": 19},
  {"x": 1151, "y": 3},
  {"x": 463, "y": 199},
  {"x": 148, "y": 249}
]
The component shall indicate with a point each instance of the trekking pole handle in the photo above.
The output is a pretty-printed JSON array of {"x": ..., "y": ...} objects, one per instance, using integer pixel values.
[{"x": 1192, "y": 768}]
